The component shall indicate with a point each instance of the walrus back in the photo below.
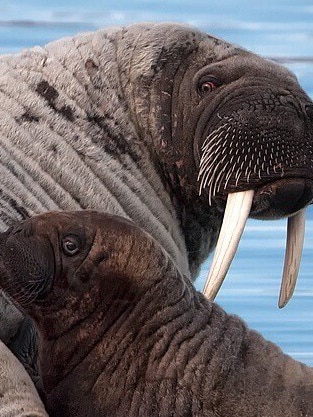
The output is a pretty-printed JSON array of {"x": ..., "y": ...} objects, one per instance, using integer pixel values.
[{"x": 67, "y": 141}]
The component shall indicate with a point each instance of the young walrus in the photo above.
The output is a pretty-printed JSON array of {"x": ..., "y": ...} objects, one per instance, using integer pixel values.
[{"x": 123, "y": 333}]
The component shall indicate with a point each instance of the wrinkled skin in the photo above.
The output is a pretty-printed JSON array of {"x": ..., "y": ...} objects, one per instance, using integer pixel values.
[
  {"x": 133, "y": 107},
  {"x": 157, "y": 123},
  {"x": 19, "y": 397},
  {"x": 123, "y": 333}
]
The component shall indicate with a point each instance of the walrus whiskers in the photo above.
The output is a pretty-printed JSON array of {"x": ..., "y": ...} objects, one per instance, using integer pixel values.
[{"x": 28, "y": 293}]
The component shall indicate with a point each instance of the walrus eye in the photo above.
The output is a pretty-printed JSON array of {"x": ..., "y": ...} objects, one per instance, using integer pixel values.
[
  {"x": 208, "y": 84},
  {"x": 70, "y": 245}
]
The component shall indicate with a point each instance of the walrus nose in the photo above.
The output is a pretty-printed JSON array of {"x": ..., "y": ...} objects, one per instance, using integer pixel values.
[{"x": 309, "y": 110}]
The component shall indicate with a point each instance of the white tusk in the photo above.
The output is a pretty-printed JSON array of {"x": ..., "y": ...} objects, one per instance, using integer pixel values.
[
  {"x": 294, "y": 246},
  {"x": 236, "y": 213}
]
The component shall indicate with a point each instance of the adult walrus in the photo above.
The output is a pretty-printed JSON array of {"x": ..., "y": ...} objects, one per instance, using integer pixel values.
[
  {"x": 124, "y": 334},
  {"x": 156, "y": 122},
  {"x": 162, "y": 124}
]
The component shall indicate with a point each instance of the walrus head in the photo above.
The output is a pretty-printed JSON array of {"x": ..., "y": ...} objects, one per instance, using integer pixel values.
[
  {"x": 58, "y": 266},
  {"x": 60, "y": 252},
  {"x": 231, "y": 132},
  {"x": 35, "y": 251}
]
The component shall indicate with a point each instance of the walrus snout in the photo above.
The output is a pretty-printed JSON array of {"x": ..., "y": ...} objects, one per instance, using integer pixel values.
[
  {"x": 26, "y": 264},
  {"x": 281, "y": 198},
  {"x": 247, "y": 147},
  {"x": 277, "y": 199},
  {"x": 263, "y": 166}
]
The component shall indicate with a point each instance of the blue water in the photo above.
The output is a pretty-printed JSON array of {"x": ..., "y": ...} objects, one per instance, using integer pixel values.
[{"x": 281, "y": 28}]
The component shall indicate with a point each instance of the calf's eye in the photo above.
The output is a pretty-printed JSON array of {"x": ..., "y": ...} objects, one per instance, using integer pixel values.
[{"x": 70, "y": 245}]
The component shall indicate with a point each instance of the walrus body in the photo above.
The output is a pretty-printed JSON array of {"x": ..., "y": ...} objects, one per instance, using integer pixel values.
[
  {"x": 123, "y": 333},
  {"x": 18, "y": 396},
  {"x": 158, "y": 123}
]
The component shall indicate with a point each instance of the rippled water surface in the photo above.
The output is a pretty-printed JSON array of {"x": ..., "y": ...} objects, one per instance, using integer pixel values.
[{"x": 279, "y": 29}]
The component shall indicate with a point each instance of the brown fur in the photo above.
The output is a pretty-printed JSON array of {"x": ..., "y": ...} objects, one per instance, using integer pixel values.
[{"x": 123, "y": 333}]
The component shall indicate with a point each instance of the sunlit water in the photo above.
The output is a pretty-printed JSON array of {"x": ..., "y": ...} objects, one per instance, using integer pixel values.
[{"x": 272, "y": 28}]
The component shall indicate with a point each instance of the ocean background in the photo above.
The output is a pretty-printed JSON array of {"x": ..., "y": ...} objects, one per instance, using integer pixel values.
[{"x": 274, "y": 28}]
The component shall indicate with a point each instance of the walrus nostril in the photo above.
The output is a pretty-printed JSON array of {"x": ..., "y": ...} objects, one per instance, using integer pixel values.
[{"x": 309, "y": 110}]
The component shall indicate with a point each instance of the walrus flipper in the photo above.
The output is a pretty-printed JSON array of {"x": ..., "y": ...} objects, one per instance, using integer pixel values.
[{"x": 24, "y": 346}]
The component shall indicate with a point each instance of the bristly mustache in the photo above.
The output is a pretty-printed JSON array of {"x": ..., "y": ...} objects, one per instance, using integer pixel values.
[
  {"x": 234, "y": 154},
  {"x": 26, "y": 293}
]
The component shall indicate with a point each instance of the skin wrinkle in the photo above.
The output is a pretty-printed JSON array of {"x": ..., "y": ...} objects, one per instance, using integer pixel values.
[
  {"x": 16, "y": 170},
  {"x": 114, "y": 43},
  {"x": 77, "y": 47},
  {"x": 150, "y": 112},
  {"x": 174, "y": 73},
  {"x": 151, "y": 183},
  {"x": 64, "y": 69},
  {"x": 86, "y": 352},
  {"x": 99, "y": 109},
  {"x": 161, "y": 352},
  {"x": 19, "y": 149},
  {"x": 6, "y": 178},
  {"x": 95, "y": 236},
  {"x": 6, "y": 218},
  {"x": 65, "y": 143},
  {"x": 164, "y": 350},
  {"x": 149, "y": 100},
  {"x": 30, "y": 169},
  {"x": 139, "y": 333},
  {"x": 124, "y": 344},
  {"x": 6, "y": 203},
  {"x": 185, "y": 119},
  {"x": 123, "y": 350},
  {"x": 207, "y": 351},
  {"x": 67, "y": 177},
  {"x": 45, "y": 172},
  {"x": 72, "y": 75},
  {"x": 130, "y": 72},
  {"x": 65, "y": 188},
  {"x": 182, "y": 76},
  {"x": 74, "y": 327}
]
